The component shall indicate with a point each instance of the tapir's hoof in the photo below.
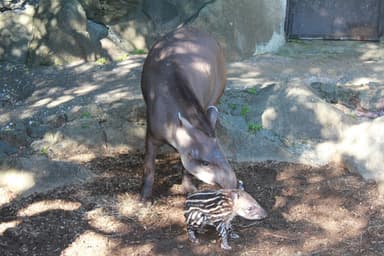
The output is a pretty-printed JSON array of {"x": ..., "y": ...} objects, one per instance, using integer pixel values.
[
  {"x": 226, "y": 247},
  {"x": 145, "y": 201}
]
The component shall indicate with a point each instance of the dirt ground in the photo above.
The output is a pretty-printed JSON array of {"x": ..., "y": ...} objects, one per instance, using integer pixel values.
[
  {"x": 326, "y": 210},
  {"x": 312, "y": 211}
]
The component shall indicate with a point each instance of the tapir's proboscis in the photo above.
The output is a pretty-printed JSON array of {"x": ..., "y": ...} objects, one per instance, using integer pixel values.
[{"x": 183, "y": 77}]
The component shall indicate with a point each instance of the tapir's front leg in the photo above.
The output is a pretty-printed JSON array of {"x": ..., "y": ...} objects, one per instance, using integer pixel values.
[
  {"x": 149, "y": 168},
  {"x": 187, "y": 183}
]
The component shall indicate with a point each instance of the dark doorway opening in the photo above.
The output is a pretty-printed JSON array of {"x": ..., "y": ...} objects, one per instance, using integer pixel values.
[{"x": 335, "y": 19}]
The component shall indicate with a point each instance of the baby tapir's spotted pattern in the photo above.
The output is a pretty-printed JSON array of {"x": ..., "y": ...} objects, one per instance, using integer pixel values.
[{"x": 218, "y": 208}]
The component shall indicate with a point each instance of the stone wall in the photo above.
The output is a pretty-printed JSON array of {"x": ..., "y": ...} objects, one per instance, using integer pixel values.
[{"x": 60, "y": 32}]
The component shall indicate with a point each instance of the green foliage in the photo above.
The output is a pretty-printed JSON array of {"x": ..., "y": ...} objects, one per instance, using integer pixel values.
[
  {"x": 254, "y": 128},
  {"x": 85, "y": 126},
  {"x": 44, "y": 151},
  {"x": 232, "y": 106},
  {"x": 244, "y": 110},
  {"x": 122, "y": 57},
  {"x": 138, "y": 51},
  {"x": 85, "y": 115},
  {"x": 102, "y": 61},
  {"x": 252, "y": 90},
  {"x": 353, "y": 116}
]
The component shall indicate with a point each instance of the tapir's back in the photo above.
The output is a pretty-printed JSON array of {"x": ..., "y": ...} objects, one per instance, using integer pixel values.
[{"x": 185, "y": 57}]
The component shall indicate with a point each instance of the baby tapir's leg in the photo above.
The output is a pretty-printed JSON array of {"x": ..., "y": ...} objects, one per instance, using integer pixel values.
[
  {"x": 232, "y": 234},
  {"x": 191, "y": 230},
  {"x": 223, "y": 231}
]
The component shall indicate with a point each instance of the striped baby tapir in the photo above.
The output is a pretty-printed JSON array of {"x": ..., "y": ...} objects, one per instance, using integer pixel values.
[{"x": 217, "y": 208}]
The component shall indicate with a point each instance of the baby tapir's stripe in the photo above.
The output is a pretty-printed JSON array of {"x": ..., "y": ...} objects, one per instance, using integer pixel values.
[{"x": 214, "y": 206}]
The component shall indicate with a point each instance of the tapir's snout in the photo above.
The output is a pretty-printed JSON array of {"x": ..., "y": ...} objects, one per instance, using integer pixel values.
[{"x": 227, "y": 179}]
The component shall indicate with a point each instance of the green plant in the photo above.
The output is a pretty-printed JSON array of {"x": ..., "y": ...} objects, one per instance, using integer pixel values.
[
  {"x": 44, "y": 151},
  {"x": 252, "y": 90},
  {"x": 254, "y": 128},
  {"x": 138, "y": 51},
  {"x": 232, "y": 106},
  {"x": 122, "y": 57},
  {"x": 353, "y": 116},
  {"x": 85, "y": 126},
  {"x": 244, "y": 110},
  {"x": 85, "y": 115},
  {"x": 102, "y": 61}
]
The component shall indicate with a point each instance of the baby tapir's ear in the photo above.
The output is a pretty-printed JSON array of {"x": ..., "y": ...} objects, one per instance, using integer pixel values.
[
  {"x": 235, "y": 195},
  {"x": 212, "y": 114}
]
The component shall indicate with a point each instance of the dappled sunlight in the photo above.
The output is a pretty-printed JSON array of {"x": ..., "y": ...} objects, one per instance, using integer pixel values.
[
  {"x": 60, "y": 100},
  {"x": 90, "y": 243},
  {"x": 336, "y": 225},
  {"x": 85, "y": 89},
  {"x": 102, "y": 220},
  {"x": 301, "y": 94},
  {"x": 42, "y": 102},
  {"x": 364, "y": 80},
  {"x": 16, "y": 181},
  {"x": 363, "y": 142},
  {"x": 268, "y": 117},
  {"x": 201, "y": 66},
  {"x": 128, "y": 205},
  {"x": 371, "y": 51},
  {"x": 48, "y": 205}
]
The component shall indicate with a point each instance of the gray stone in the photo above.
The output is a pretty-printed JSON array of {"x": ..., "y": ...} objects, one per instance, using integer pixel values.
[
  {"x": 111, "y": 11},
  {"x": 35, "y": 129},
  {"x": 15, "y": 134},
  {"x": 60, "y": 34},
  {"x": 244, "y": 27},
  {"x": 6, "y": 149},
  {"x": 96, "y": 31},
  {"x": 15, "y": 33}
]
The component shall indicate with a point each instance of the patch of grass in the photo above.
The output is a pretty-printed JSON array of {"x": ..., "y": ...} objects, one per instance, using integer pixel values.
[
  {"x": 244, "y": 110},
  {"x": 254, "y": 128},
  {"x": 44, "y": 151},
  {"x": 232, "y": 106},
  {"x": 252, "y": 90},
  {"x": 122, "y": 57},
  {"x": 101, "y": 61},
  {"x": 85, "y": 115},
  {"x": 138, "y": 51},
  {"x": 353, "y": 116},
  {"x": 85, "y": 126}
]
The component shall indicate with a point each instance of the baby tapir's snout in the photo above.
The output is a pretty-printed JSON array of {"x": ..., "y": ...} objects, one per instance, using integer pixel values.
[{"x": 247, "y": 207}]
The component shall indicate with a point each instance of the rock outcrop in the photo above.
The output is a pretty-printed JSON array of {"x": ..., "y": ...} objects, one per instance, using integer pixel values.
[{"x": 60, "y": 32}]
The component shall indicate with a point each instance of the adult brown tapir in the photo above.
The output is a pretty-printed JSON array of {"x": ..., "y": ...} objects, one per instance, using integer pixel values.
[{"x": 183, "y": 77}]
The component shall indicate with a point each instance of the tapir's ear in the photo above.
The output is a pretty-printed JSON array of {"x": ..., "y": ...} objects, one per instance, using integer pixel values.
[
  {"x": 184, "y": 122},
  {"x": 241, "y": 185},
  {"x": 212, "y": 114}
]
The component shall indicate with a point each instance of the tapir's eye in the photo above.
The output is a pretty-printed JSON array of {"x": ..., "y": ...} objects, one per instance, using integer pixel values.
[{"x": 205, "y": 163}]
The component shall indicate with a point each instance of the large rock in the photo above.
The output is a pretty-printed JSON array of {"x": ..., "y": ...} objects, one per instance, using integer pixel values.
[
  {"x": 15, "y": 33},
  {"x": 60, "y": 34},
  {"x": 244, "y": 27},
  {"x": 111, "y": 11}
]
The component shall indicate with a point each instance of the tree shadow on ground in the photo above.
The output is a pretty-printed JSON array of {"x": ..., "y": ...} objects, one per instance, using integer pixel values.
[{"x": 313, "y": 211}]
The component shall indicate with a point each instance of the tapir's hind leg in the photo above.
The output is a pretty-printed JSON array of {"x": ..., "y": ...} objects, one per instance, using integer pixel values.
[{"x": 149, "y": 168}]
